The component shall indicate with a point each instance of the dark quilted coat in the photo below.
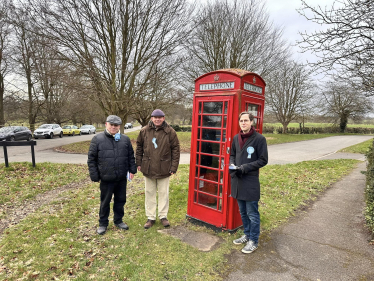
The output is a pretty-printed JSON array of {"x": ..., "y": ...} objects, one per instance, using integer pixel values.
[
  {"x": 110, "y": 160},
  {"x": 247, "y": 186}
]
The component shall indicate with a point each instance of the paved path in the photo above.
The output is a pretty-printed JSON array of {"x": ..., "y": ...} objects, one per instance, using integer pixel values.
[
  {"x": 278, "y": 154},
  {"x": 326, "y": 242}
]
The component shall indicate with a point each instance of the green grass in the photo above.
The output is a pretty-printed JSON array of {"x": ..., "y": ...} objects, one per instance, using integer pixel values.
[
  {"x": 285, "y": 138},
  {"x": 185, "y": 141},
  {"x": 287, "y": 187},
  {"x": 58, "y": 242},
  {"x": 297, "y": 125},
  {"x": 21, "y": 181},
  {"x": 362, "y": 148},
  {"x": 82, "y": 147}
]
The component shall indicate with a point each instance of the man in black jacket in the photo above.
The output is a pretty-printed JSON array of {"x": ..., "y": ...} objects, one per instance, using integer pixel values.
[
  {"x": 248, "y": 154},
  {"x": 111, "y": 162}
]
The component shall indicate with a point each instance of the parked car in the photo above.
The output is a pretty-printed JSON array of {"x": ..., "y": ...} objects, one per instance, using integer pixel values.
[
  {"x": 128, "y": 125},
  {"x": 88, "y": 129},
  {"x": 48, "y": 131},
  {"x": 71, "y": 130},
  {"x": 13, "y": 133}
]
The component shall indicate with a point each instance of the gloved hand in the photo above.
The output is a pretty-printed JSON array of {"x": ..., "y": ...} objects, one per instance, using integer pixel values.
[{"x": 240, "y": 171}]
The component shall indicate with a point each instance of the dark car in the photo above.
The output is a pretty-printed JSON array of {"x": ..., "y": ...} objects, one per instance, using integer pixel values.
[{"x": 12, "y": 133}]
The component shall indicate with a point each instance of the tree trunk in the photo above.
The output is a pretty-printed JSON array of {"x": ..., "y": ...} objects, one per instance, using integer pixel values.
[
  {"x": 344, "y": 120},
  {"x": 29, "y": 92},
  {"x": 285, "y": 125},
  {"x": 2, "y": 116}
]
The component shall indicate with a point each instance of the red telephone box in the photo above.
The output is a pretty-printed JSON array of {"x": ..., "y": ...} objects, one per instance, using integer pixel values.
[{"x": 219, "y": 98}]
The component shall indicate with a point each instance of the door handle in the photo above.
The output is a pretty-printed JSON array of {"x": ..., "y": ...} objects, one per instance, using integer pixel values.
[{"x": 228, "y": 150}]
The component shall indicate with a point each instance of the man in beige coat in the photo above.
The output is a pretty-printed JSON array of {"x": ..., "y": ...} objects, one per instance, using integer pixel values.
[{"x": 157, "y": 157}]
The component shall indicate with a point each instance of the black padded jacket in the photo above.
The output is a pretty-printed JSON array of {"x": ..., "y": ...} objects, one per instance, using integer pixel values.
[{"x": 110, "y": 160}]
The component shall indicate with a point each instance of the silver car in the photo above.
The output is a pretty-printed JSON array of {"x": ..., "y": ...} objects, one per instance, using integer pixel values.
[{"x": 88, "y": 129}]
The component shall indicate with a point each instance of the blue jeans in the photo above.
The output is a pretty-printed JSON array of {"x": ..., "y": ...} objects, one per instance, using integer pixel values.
[{"x": 250, "y": 218}]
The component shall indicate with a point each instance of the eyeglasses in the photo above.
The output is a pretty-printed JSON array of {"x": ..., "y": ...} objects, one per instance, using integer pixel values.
[{"x": 114, "y": 125}]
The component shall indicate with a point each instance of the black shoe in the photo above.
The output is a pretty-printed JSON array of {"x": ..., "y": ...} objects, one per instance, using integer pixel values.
[
  {"x": 123, "y": 226},
  {"x": 101, "y": 230}
]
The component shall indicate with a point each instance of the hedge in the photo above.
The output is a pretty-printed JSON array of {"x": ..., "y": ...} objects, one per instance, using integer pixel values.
[
  {"x": 178, "y": 128},
  {"x": 316, "y": 130},
  {"x": 292, "y": 130},
  {"x": 369, "y": 190}
]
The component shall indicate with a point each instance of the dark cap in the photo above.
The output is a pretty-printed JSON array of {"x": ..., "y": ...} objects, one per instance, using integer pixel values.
[
  {"x": 157, "y": 113},
  {"x": 114, "y": 119}
]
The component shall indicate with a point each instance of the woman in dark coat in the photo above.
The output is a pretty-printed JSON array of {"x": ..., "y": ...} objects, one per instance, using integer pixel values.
[{"x": 248, "y": 154}]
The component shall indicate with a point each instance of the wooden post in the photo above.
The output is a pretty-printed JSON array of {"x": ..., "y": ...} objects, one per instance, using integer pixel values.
[
  {"x": 4, "y": 144},
  {"x": 6, "y": 156}
]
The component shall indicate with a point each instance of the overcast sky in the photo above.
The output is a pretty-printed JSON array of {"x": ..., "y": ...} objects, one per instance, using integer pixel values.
[{"x": 283, "y": 13}]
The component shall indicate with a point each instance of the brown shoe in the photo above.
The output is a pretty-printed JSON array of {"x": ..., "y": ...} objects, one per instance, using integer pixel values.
[
  {"x": 165, "y": 222},
  {"x": 149, "y": 224}
]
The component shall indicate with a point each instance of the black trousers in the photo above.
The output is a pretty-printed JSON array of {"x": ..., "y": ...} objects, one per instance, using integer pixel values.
[{"x": 118, "y": 188}]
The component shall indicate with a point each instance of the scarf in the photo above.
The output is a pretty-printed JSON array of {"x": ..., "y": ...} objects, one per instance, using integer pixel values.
[{"x": 244, "y": 137}]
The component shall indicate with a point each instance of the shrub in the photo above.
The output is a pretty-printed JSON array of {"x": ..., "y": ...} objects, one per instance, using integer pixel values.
[
  {"x": 178, "y": 128},
  {"x": 268, "y": 129},
  {"x": 369, "y": 190},
  {"x": 317, "y": 130}
]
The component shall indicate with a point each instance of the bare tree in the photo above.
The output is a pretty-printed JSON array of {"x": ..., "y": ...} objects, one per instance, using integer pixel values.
[
  {"x": 44, "y": 73},
  {"x": 5, "y": 31},
  {"x": 116, "y": 43},
  {"x": 24, "y": 41},
  {"x": 341, "y": 101},
  {"x": 289, "y": 92},
  {"x": 346, "y": 43},
  {"x": 234, "y": 34},
  {"x": 160, "y": 92}
]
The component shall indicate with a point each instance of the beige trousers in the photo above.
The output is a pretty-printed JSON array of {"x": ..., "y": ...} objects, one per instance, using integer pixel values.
[{"x": 152, "y": 187}]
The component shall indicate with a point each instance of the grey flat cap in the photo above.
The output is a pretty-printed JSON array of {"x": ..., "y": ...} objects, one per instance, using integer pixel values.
[{"x": 114, "y": 119}]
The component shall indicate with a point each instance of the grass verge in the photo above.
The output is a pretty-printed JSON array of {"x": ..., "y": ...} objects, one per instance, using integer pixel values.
[
  {"x": 297, "y": 125},
  {"x": 185, "y": 141},
  {"x": 58, "y": 242},
  {"x": 21, "y": 181},
  {"x": 83, "y": 146},
  {"x": 285, "y": 138},
  {"x": 362, "y": 148}
]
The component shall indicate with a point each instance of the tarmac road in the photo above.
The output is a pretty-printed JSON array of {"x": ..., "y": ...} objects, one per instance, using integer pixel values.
[
  {"x": 325, "y": 148},
  {"x": 44, "y": 150},
  {"x": 318, "y": 149}
]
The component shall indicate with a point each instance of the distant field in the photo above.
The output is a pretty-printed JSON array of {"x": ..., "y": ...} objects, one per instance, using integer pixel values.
[{"x": 297, "y": 125}]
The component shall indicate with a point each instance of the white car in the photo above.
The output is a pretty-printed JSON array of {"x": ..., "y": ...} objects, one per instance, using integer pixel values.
[
  {"x": 48, "y": 131},
  {"x": 88, "y": 129},
  {"x": 128, "y": 126}
]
